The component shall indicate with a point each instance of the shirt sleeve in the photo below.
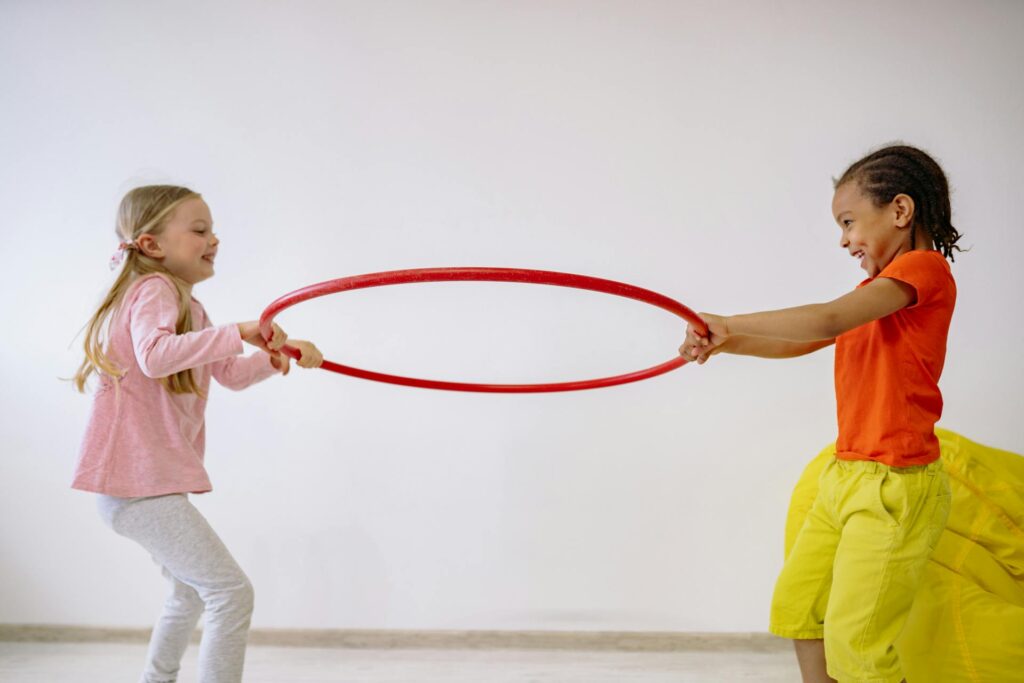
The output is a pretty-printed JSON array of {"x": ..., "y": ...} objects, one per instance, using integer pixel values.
[
  {"x": 922, "y": 271},
  {"x": 159, "y": 350},
  {"x": 237, "y": 373}
]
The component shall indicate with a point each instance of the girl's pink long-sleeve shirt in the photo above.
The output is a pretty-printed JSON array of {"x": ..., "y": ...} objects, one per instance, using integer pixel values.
[{"x": 141, "y": 439}]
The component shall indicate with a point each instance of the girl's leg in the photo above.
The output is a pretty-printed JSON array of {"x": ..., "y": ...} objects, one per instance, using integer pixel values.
[
  {"x": 172, "y": 631},
  {"x": 181, "y": 540},
  {"x": 810, "y": 655},
  {"x": 802, "y": 591},
  {"x": 894, "y": 517}
]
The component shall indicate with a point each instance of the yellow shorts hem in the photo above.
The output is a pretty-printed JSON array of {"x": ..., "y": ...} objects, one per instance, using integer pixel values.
[
  {"x": 842, "y": 676},
  {"x": 797, "y": 633}
]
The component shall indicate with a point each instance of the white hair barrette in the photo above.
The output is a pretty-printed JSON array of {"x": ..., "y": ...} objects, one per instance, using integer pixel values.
[{"x": 118, "y": 257}]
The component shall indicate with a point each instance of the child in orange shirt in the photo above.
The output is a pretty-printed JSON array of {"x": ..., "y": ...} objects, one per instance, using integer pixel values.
[{"x": 849, "y": 581}]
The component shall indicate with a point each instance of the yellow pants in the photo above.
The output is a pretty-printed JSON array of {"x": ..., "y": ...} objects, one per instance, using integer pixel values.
[{"x": 857, "y": 562}]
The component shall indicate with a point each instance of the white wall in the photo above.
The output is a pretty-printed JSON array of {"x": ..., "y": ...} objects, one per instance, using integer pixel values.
[{"x": 685, "y": 147}]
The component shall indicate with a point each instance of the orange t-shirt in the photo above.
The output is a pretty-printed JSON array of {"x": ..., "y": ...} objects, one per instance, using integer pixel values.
[{"x": 887, "y": 371}]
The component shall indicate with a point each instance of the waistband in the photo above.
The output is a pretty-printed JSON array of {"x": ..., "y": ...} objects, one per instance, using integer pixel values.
[{"x": 875, "y": 467}]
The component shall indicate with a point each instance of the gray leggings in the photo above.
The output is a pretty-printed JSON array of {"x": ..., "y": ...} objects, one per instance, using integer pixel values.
[{"x": 203, "y": 575}]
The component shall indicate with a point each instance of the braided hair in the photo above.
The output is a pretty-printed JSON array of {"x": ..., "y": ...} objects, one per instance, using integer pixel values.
[{"x": 902, "y": 169}]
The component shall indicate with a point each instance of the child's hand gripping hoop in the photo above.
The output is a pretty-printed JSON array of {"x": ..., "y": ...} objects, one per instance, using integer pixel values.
[{"x": 537, "y": 277}]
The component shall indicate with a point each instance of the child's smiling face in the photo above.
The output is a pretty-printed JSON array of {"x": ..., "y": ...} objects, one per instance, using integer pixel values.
[
  {"x": 187, "y": 246},
  {"x": 873, "y": 234}
]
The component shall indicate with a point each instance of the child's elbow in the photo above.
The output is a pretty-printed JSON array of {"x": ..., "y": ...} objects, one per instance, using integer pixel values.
[
  {"x": 150, "y": 367},
  {"x": 830, "y": 325},
  {"x": 152, "y": 373},
  {"x": 232, "y": 386}
]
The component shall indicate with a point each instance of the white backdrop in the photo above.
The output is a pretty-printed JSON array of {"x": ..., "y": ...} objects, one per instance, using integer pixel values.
[{"x": 686, "y": 147}]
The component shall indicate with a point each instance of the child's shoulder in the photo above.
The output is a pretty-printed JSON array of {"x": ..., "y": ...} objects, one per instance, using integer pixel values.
[
  {"x": 160, "y": 285},
  {"x": 925, "y": 257},
  {"x": 928, "y": 272},
  {"x": 151, "y": 282},
  {"x": 920, "y": 260},
  {"x": 147, "y": 287}
]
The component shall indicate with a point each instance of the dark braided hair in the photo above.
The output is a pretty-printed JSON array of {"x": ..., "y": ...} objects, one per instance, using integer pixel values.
[{"x": 901, "y": 169}]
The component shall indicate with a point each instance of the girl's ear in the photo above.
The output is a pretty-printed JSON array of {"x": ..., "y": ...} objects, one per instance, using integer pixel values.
[
  {"x": 903, "y": 205},
  {"x": 149, "y": 246}
]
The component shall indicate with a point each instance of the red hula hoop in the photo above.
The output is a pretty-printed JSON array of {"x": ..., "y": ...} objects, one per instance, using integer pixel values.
[{"x": 539, "y": 277}]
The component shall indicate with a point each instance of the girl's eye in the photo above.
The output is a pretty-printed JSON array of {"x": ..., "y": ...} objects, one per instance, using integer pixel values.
[{"x": 846, "y": 223}]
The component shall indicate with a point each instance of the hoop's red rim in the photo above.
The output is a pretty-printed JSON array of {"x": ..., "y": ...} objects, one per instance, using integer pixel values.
[{"x": 537, "y": 277}]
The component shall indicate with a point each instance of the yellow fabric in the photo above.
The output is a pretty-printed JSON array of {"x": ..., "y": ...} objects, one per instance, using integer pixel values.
[
  {"x": 966, "y": 623},
  {"x": 853, "y": 571}
]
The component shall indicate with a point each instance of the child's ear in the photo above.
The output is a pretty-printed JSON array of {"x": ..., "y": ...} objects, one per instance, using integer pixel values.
[
  {"x": 903, "y": 205},
  {"x": 149, "y": 246}
]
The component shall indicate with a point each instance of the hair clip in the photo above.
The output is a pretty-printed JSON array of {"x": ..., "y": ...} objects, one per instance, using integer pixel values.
[{"x": 118, "y": 256}]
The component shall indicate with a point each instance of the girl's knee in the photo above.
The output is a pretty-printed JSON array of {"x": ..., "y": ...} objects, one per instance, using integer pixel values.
[
  {"x": 246, "y": 596},
  {"x": 185, "y": 603},
  {"x": 238, "y": 598},
  {"x": 241, "y": 597}
]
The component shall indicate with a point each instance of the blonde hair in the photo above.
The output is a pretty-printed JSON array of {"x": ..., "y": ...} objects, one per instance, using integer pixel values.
[{"x": 144, "y": 210}]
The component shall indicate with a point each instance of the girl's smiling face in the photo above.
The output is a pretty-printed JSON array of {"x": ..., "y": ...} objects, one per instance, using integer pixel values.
[
  {"x": 873, "y": 234},
  {"x": 186, "y": 246}
]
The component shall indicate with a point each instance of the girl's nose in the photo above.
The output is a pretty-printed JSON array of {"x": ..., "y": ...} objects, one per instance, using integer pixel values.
[{"x": 214, "y": 240}]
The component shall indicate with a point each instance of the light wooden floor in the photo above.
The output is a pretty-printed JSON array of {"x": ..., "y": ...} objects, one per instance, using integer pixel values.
[{"x": 116, "y": 663}]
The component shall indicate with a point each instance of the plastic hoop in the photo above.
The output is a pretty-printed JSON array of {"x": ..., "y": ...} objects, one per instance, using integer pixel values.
[{"x": 540, "y": 277}]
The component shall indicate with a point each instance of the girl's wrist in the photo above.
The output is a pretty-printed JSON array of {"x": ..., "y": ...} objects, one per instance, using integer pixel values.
[{"x": 734, "y": 325}]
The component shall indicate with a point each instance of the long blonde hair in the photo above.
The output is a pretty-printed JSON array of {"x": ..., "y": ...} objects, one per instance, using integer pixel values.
[{"x": 144, "y": 210}]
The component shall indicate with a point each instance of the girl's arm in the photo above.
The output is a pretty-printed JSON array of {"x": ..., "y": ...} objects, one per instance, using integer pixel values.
[
  {"x": 763, "y": 347},
  {"x": 159, "y": 350},
  {"x": 240, "y": 372},
  {"x": 816, "y": 322},
  {"x": 794, "y": 331}
]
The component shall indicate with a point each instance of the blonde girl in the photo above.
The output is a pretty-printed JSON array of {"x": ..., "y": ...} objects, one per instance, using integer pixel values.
[{"x": 154, "y": 351}]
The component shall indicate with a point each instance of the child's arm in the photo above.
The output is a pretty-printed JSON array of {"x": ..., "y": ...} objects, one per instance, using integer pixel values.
[
  {"x": 794, "y": 331},
  {"x": 764, "y": 347},
  {"x": 309, "y": 356},
  {"x": 697, "y": 349},
  {"x": 159, "y": 350},
  {"x": 240, "y": 373},
  {"x": 816, "y": 322}
]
